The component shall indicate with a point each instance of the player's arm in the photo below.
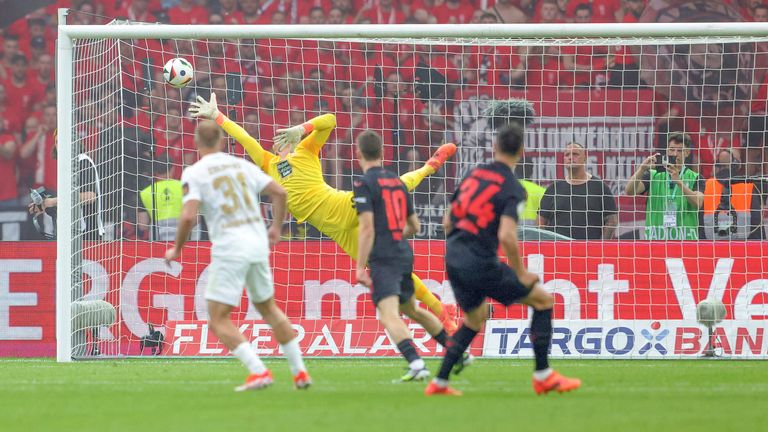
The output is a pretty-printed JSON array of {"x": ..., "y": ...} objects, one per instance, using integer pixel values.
[
  {"x": 507, "y": 236},
  {"x": 187, "y": 221},
  {"x": 365, "y": 238},
  {"x": 311, "y": 134},
  {"x": 210, "y": 110},
  {"x": 636, "y": 183},
  {"x": 508, "y": 240},
  {"x": 511, "y": 247},
  {"x": 447, "y": 224},
  {"x": 277, "y": 195},
  {"x": 188, "y": 217},
  {"x": 366, "y": 234}
]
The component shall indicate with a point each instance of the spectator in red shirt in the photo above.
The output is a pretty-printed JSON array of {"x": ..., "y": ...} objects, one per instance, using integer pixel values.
[
  {"x": 10, "y": 115},
  {"x": 36, "y": 33},
  {"x": 338, "y": 16},
  {"x": 305, "y": 7},
  {"x": 603, "y": 11},
  {"x": 746, "y": 8},
  {"x": 8, "y": 191},
  {"x": 316, "y": 15},
  {"x": 623, "y": 65},
  {"x": 36, "y": 154},
  {"x": 137, "y": 10},
  {"x": 760, "y": 13},
  {"x": 549, "y": 13},
  {"x": 19, "y": 92},
  {"x": 187, "y": 12},
  {"x": 10, "y": 50},
  {"x": 583, "y": 64},
  {"x": 507, "y": 12},
  {"x": 381, "y": 12},
  {"x": 255, "y": 13},
  {"x": 84, "y": 14},
  {"x": 229, "y": 12},
  {"x": 453, "y": 12},
  {"x": 542, "y": 66},
  {"x": 43, "y": 75},
  {"x": 37, "y": 48},
  {"x": 173, "y": 136}
]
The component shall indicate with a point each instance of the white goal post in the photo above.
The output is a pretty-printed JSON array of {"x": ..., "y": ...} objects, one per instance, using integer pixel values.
[{"x": 597, "y": 298}]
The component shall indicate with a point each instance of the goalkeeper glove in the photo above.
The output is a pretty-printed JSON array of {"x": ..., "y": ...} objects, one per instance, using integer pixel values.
[
  {"x": 205, "y": 109},
  {"x": 290, "y": 137}
]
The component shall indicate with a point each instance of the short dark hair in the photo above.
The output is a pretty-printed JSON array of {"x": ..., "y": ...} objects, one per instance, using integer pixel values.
[
  {"x": 19, "y": 58},
  {"x": 35, "y": 22},
  {"x": 680, "y": 138},
  {"x": 370, "y": 145},
  {"x": 583, "y": 6},
  {"x": 510, "y": 138}
]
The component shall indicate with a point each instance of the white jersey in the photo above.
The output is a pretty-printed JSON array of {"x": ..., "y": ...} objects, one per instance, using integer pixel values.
[{"x": 228, "y": 189}]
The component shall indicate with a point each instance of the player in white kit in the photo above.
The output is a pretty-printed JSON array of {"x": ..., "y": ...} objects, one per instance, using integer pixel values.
[{"x": 225, "y": 190}]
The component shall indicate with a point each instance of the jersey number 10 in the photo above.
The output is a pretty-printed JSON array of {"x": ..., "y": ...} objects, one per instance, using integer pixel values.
[{"x": 394, "y": 201}]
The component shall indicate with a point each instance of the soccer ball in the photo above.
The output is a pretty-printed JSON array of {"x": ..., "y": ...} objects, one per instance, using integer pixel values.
[{"x": 178, "y": 72}]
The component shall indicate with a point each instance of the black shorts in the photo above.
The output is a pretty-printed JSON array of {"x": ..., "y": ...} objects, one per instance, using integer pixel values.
[
  {"x": 475, "y": 280},
  {"x": 391, "y": 279}
]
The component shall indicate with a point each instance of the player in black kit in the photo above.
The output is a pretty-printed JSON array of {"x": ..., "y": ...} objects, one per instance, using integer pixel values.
[
  {"x": 484, "y": 212},
  {"x": 386, "y": 220}
]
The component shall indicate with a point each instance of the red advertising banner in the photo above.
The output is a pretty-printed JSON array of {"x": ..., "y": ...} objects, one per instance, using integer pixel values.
[{"x": 604, "y": 281}]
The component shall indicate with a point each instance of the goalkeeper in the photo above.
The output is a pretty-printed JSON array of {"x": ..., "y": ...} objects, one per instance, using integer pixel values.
[{"x": 296, "y": 167}]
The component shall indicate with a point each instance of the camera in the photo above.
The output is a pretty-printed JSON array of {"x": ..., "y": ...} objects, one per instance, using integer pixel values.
[{"x": 661, "y": 163}]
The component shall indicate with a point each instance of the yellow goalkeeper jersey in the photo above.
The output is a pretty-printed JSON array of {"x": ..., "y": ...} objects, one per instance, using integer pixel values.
[{"x": 310, "y": 198}]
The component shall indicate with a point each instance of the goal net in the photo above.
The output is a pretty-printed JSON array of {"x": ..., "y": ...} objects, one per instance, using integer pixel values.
[{"x": 629, "y": 270}]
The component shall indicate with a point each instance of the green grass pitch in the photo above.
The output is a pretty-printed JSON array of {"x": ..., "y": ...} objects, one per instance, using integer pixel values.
[{"x": 357, "y": 395}]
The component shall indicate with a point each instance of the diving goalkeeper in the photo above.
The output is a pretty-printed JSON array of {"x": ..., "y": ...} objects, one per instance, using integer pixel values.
[{"x": 297, "y": 168}]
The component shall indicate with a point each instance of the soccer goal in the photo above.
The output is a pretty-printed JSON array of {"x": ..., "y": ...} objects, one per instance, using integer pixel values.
[{"x": 628, "y": 270}]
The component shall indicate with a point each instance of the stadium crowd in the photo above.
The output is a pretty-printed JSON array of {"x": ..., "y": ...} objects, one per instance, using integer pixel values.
[{"x": 274, "y": 83}]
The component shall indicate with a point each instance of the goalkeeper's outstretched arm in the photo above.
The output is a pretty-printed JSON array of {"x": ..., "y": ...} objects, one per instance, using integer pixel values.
[
  {"x": 314, "y": 132},
  {"x": 210, "y": 110}
]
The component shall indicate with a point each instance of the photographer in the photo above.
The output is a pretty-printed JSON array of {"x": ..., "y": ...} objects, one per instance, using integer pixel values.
[
  {"x": 732, "y": 202},
  {"x": 674, "y": 192},
  {"x": 89, "y": 223}
]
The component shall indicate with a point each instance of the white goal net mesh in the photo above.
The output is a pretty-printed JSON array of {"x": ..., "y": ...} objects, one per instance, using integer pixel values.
[{"x": 628, "y": 269}]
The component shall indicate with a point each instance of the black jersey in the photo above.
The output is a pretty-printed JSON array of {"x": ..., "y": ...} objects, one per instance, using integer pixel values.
[
  {"x": 383, "y": 193},
  {"x": 488, "y": 192}
]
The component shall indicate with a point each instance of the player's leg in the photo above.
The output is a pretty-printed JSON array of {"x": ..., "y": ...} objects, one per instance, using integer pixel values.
[
  {"x": 261, "y": 293},
  {"x": 224, "y": 329},
  {"x": 223, "y": 293},
  {"x": 435, "y": 328},
  {"x": 389, "y": 316},
  {"x": 413, "y": 178},
  {"x": 545, "y": 379},
  {"x": 446, "y": 313},
  {"x": 468, "y": 280}
]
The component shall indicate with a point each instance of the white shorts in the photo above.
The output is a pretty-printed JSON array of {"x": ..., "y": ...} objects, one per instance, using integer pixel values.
[{"x": 227, "y": 277}]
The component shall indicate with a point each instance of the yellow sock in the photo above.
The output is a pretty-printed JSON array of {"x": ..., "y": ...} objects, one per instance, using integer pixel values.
[
  {"x": 413, "y": 178},
  {"x": 424, "y": 295}
]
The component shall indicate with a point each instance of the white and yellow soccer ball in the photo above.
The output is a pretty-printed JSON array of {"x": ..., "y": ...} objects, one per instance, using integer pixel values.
[{"x": 178, "y": 72}]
